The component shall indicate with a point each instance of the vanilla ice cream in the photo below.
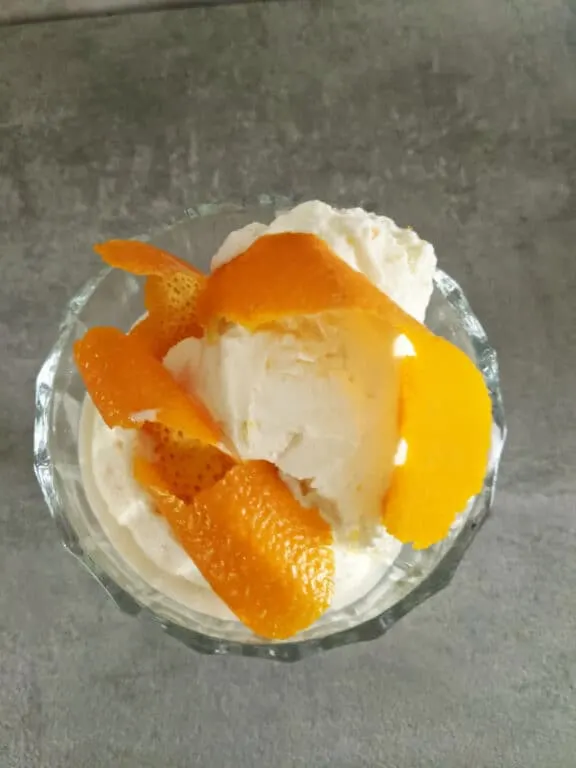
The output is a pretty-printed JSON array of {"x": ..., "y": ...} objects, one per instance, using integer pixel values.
[{"x": 311, "y": 401}]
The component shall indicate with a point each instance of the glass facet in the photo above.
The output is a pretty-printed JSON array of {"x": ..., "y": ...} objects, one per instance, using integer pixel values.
[{"x": 115, "y": 298}]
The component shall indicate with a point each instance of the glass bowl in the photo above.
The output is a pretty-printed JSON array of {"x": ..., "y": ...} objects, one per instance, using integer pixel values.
[{"x": 115, "y": 298}]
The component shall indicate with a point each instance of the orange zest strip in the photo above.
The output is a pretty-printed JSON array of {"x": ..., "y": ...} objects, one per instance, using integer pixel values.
[
  {"x": 261, "y": 551},
  {"x": 185, "y": 466},
  {"x": 142, "y": 258},
  {"x": 446, "y": 423},
  {"x": 170, "y": 293},
  {"x": 445, "y": 413},
  {"x": 171, "y": 304},
  {"x": 128, "y": 386},
  {"x": 291, "y": 274}
]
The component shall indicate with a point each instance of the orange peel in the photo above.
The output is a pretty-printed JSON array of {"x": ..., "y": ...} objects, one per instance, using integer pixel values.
[
  {"x": 140, "y": 258},
  {"x": 185, "y": 465},
  {"x": 445, "y": 419},
  {"x": 170, "y": 294},
  {"x": 266, "y": 556},
  {"x": 128, "y": 386},
  {"x": 287, "y": 275},
  {"x": 445, "y": 408}
]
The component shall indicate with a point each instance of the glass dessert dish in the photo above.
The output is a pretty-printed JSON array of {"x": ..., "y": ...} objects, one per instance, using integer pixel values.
[{"x": 115, "y": 298}]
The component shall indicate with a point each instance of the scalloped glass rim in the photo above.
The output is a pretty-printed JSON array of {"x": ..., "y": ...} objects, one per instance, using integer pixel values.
[{"x": 375, "y": 626}]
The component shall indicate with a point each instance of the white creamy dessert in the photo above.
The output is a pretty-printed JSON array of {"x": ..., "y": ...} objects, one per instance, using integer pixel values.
[{"x": 324, "y": 413}]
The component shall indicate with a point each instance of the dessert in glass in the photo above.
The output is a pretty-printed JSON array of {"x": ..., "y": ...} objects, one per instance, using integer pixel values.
[{"x": 275, "y": 428}]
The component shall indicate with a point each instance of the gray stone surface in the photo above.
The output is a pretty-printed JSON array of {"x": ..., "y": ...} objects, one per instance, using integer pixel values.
[
  {"x": 24, "y": 11},
  {"x": 458, "y": 118}
]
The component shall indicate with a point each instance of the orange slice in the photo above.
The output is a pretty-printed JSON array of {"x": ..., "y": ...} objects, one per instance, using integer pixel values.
[
  {"x": 445, "y": 414},
  {"x": 268, "y": 557},
  {"x": 186, "y": 466},
  {"x": 128, "y": 386},
  {"x": 170, "y": 293}
]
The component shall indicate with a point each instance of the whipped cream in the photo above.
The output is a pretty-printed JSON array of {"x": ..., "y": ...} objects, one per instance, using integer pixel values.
[{"x": 315, "y": 404}]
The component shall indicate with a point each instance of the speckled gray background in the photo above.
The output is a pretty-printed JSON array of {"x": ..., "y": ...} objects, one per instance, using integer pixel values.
[
  {"x": 457, "y": 118},
  {"x": 25, "y": 11}
]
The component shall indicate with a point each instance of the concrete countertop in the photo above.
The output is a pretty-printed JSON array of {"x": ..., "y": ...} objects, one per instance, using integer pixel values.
[
  {"x": 38, "y": 11},
  {"x": 456, "y": 118}
]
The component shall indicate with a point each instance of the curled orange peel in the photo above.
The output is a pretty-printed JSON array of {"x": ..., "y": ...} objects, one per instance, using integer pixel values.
[
  {"x": 288, "y": 275},
  {"x": 170, "y": 294},
  {"x": 445, "y": 414},
  {"x": 445, "y": 419},
  {"x": 266, "y": 556},
  {"x": 186, "y": 466},
  {"x": 140, "y": 258},
  {"x": 129, "y": 387}
]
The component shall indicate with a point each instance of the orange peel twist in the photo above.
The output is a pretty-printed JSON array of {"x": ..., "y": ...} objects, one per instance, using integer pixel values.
[
  {"x": 268, "y": 557},
  {"x": 170, "y": 293}
]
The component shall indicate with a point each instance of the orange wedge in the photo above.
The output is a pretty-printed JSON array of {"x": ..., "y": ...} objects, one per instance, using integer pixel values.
[
  {"x": 128, "y": 386},
  {"x": 170, "y": 293},
  {"x": 186, "y": 466},
  {"x": 445, "y": 413},
  {"x": 268, "y": 557}
]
